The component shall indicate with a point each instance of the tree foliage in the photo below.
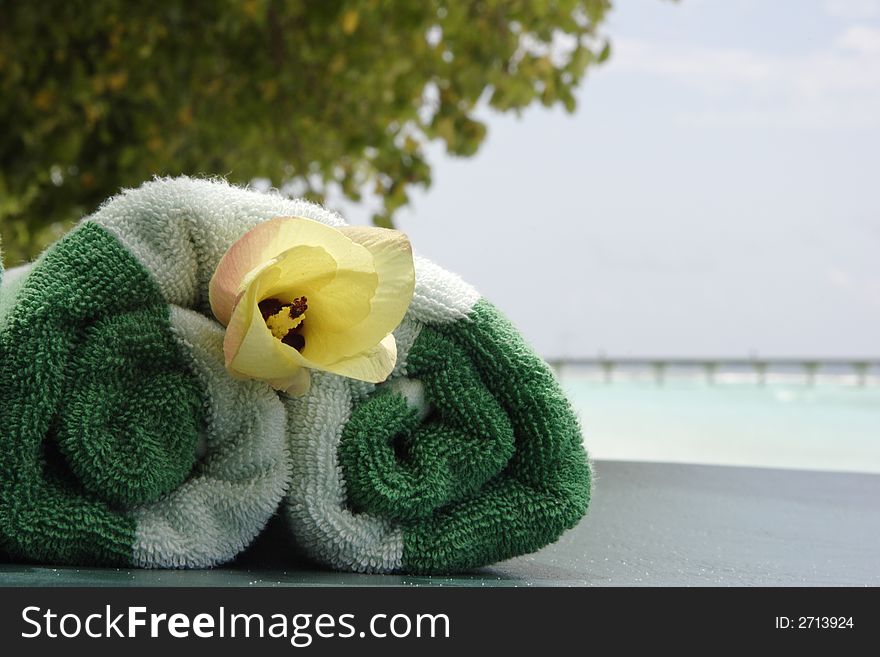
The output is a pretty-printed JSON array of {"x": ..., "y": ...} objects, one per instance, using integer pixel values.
[{"x": 323, "y": 96}]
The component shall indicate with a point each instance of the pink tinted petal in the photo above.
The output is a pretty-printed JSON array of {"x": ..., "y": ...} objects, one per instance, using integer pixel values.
[{"x": 247, "y": 253}]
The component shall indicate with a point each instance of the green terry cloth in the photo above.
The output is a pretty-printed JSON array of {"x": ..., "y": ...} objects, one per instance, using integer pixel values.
[
  {"x": 124, "y": 441},
  {"x": 469, "y": 454}
]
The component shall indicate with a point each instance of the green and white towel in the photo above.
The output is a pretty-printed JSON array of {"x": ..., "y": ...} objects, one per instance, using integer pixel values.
[{"x": 124, "y": 441}]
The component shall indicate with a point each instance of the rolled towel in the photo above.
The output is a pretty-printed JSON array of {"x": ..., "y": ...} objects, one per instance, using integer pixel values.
[
  {"x": 123, "y": 439},
  {"x": 469, "y": 454}
]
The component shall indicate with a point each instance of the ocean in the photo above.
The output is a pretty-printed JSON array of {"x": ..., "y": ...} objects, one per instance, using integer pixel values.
[{"x": 832, "y": 424}]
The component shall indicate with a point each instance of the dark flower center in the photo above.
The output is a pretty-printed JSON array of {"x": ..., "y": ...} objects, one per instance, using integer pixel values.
[{"x": 286, "y": 320}]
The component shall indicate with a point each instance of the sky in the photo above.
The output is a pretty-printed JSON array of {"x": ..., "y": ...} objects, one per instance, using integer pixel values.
[{"x": 716, "y": 193}]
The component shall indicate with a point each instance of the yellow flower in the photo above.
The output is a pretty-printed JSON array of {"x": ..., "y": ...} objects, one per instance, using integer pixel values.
[{"x": 298, "y": 295}]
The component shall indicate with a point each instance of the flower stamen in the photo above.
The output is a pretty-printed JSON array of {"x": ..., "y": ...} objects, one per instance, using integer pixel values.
[
  {"x": 298, "y": 306},
  {"x": 285, "y": 320}
]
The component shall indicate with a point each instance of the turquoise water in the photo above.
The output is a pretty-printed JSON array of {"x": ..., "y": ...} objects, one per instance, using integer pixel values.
[{"x": 826, "y": 427}]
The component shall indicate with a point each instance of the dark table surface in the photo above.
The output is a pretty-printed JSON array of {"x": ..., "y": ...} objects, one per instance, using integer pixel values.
[{"x": 650, "y": 524}]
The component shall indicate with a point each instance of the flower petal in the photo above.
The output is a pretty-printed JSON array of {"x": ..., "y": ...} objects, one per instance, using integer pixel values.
[
  {"x": 296, "y": 385},
  {"x": 393, "y": 264},
  {"x": 263, "y": 243},
  {"x": 343, "y": 303},
  {"x": 299, "y": 271},
  {"x": 373, "y": 365}
]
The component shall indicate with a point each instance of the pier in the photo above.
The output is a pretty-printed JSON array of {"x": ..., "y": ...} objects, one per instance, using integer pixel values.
[{"x": 861, "y": 371}]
